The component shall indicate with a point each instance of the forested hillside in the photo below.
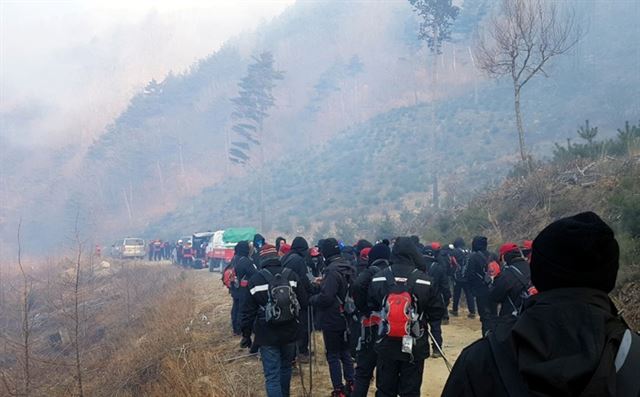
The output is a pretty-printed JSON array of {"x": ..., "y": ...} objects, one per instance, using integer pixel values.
[{"x": 357, "y": 132}]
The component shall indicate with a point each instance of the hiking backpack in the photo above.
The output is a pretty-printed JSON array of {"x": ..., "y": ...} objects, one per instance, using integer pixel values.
[
  {"x": 399, "y": 312},
  {"x": 460, "y": 270},
  {"x": 229, "y": 278},
  {"x": 282, "y": 304},
  {"x": 526, "y": 292}
]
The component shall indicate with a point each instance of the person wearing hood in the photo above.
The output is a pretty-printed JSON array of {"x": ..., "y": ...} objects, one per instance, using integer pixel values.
[
  {"x": 366, "y": 357},
  {"x": 570, "y": 340},
  {"x": 479, "y": 280},
  {"x": 244, "y": 269},
  {"x": 460, "y": 259},
  {"x": 258, "y": 242},
  {"x": 513, "y": 283},
  {"x": 276, "y": 340},
  {"x": 438, "y": 273},
  {"x": 400, "y": 363},
  {"x": 332, "y": 318},
  {"x": 279, "y": 241},
  {"x": 295, "y": 260}
]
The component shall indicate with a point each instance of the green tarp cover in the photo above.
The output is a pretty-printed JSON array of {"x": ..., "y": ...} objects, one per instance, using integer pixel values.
[{"x": 237, "y": 234}]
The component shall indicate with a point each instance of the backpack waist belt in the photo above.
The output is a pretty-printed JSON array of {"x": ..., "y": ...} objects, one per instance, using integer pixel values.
[{"x": 372, "y": 320}]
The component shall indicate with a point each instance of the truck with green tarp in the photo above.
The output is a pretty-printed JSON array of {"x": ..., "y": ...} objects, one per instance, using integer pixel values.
[{"x": 221, "y": 248}]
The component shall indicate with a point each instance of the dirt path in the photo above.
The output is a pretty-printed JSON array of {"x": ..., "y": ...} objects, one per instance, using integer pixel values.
[{"x": 213, "y": 300}]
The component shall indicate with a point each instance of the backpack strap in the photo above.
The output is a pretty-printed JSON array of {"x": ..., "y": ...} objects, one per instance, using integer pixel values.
[
  {"x": 627, "y": 365},
  {"x": 507, "y": 368},
  {"x": 267, "y": 275}
]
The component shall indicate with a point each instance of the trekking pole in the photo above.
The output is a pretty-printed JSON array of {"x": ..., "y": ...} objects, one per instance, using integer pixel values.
[
  {"x": 240, "y": 357},
  {"x": 310, "y": 332},
  {"x": 446, "y": 362}
]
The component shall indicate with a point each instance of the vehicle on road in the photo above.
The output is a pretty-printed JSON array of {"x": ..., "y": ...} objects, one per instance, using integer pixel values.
[
  {"x": 200, "y": 241},
  {"x": 130, "y": 247},
  {"x": 220, "y": 250}
]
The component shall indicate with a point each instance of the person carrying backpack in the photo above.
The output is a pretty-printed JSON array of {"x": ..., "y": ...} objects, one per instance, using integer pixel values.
[
  {"x": 230, "y": 280},
  {"x": 570, "y": 340},
  {"x": 295, "y": 260},
  {"x": 407, "y": 301},
  {"x": 272, "y": 312},
  {"x": 512, "y": 286},
  {"x": 334, "y": 316},
  {"x": 244, "y": 269},
  {"x": 479, "y": 280},
  {"x": 437, "y": 271},
  {"x": 369, "y": 321},
  {"x": 460, "y": 261}
]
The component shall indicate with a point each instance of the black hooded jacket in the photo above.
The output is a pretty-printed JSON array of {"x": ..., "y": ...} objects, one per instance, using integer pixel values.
[
  {"x": 406, "y": 260},
  {"x": 252, "y": 315},
  {"x": 508, "y": 286},
  {"x": 338, "y": 275},
  {"x": 243, "y": 265},
  {"x": 360, "y": 288},
  {"x": 478, "y": 262},
  {"x": 440, "y": 277},
  {"x": 564, "y": 344},
  {"x": 295, "y": 260}
]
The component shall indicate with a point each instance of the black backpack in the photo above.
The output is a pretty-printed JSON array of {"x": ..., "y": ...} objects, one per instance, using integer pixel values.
[
  {"x": 460, "y": 272},
  {"x": 282, "y": 304}
]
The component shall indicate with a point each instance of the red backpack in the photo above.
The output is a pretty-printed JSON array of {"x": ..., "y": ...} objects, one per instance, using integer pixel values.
[
  {"x": 399, "y": 312},
  {"x": 229, "y": 278}
]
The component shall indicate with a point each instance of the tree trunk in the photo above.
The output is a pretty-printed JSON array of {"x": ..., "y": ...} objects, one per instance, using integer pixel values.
[
  {"x": 435, "y": 198},
  {"x": 523, "y": 153},
  {"x": 261, "y": 176}
]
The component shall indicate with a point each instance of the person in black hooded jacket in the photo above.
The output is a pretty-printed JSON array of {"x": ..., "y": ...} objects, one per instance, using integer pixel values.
[
  {"x": 567, "y": 340},
  {"x": 276, "y": 342},
  {"x": 438, "y": 273},
  {"x": 333, "y": 320},
  {"x": 366, "y": 357},
  {"x": 479, "y": 281},
  {"x": 513, "y": 282},
  {"x": 295, "y": 260},
  {"x": 244, "y": 271},
  {"x": 258, "y": 242},
  {"x": 397, "y": 372}
]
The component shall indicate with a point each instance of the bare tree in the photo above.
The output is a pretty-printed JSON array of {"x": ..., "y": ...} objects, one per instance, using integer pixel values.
[
  {"x": 519, "y": 42},
  {"x": 26, "y": 327},
  {"x": 76, "y": 308}
]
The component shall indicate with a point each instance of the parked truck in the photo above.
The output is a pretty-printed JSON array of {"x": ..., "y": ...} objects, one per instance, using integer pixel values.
[{"x": 221, "y": 247}]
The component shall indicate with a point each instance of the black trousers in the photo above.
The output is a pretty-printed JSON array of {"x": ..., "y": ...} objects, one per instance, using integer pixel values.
[
  {"x": 487, "y": 310},
  {"x": 303, "y": 332},
  {"x": 366, "y": 360},
  {"x": 458, "y": 288},
  {"x": 398, "y": 378}
]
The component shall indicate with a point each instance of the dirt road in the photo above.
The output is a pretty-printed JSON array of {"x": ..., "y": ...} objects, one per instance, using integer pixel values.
[{"x": 213, "y": 301}]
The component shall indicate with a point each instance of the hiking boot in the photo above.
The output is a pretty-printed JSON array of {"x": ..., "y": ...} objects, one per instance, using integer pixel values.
[
  {"x": 338, "y": 393},
  {"x": 350, "y": 387},
  {"x": 453, "y": 313},
  {"x": 436, "y": 354},
  {"x": 445, "y": 321},
  {"x": 471, "y": 315}
]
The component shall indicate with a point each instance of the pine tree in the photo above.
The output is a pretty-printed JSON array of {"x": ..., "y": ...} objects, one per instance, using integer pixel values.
[{"x": 251, "y": 108}]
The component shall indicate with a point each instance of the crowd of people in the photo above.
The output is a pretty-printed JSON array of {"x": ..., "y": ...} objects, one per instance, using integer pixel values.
[
  {"x": 548, "y": 327},
  {"x": 159, "y": 250}
]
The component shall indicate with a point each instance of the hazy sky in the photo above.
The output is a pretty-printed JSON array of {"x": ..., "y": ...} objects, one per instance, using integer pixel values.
[{"x": 67, "y": 68}]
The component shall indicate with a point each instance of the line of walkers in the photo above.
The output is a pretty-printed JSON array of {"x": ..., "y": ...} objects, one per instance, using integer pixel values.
[{"x": 548, "y": 325}]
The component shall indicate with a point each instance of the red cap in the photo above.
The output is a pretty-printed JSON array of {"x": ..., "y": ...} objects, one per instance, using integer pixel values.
[
  {"x": 364, "y": 254},
  {"x": 508, "y": 247},
  {"x": 436, "y": 246}
]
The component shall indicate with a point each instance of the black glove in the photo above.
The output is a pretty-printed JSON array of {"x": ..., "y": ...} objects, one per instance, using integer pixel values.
[{"x": 245, "y": 342}]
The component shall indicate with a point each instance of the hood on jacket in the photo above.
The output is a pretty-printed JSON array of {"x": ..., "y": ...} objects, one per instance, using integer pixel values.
[
  {"x": 258, "y": 240},
  {"x": 362, "y": 244},
  {"x": 479, "y": 243},
  {"x": 405, "y": 251},
  {"x": 566, "y": 340},
  {"x": 299, "y": 245},
  {"x": 242, "y": 248},
  {"x": 459, "y": 243}
]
